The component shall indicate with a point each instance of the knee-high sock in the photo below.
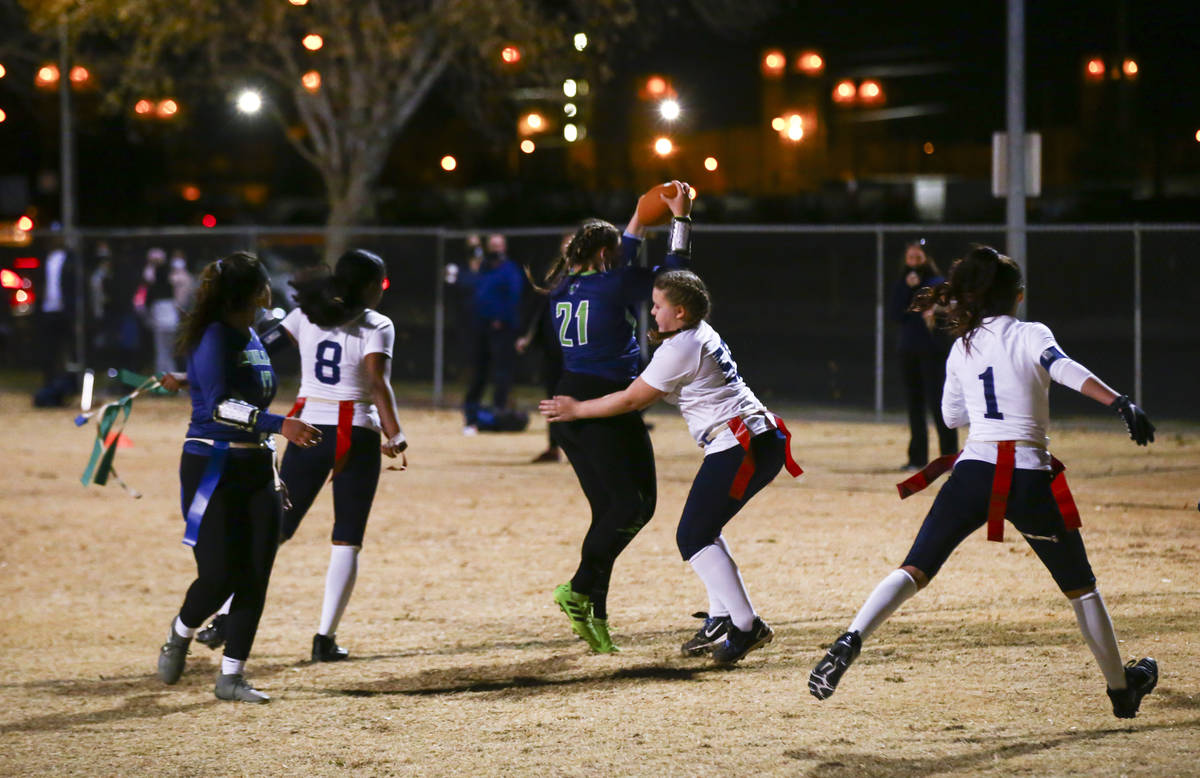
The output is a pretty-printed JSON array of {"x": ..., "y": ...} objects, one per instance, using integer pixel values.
[
  {"x": 1101, "y": 638},
  {"x": 893, "y": 590},
  {"x": 715, "y": 606},
  {"x": 339, "y": 584},
  {"x": 720, "y": 575}
]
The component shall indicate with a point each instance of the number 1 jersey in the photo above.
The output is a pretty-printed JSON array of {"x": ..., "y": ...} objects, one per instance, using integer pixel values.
[{"x": 332, "y": 366}]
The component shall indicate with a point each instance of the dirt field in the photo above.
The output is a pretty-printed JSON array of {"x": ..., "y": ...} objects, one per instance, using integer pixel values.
[{"x": 461, "y": 664}]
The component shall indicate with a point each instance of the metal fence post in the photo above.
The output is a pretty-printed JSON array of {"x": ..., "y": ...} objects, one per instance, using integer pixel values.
[
  {"x": 439, "y": 320},
  {"x": 1137, "y": 314},
  {"x": 879, "y": 323}
]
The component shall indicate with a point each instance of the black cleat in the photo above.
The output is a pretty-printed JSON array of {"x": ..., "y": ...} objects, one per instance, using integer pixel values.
[
  {"x": 213, "y": 635},
  {"x": 737, "y": 643},
  {"x": 1141, "y": 676},
  {"x": 825, "y": 676},
  {"x": 710, "y": 634},
  {"x": 326, "y": 649}
]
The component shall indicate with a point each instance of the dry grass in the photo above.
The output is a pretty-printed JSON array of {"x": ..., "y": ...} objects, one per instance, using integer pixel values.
[{"x": 462, "y": 665}]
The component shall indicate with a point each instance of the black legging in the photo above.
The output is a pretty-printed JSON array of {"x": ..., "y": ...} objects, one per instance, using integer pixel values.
[
  {"x": 235, "y": 548},
  {"x": 305, "y": 470},
  {"x": 924, "y": 375},
  {"x": 614, "y": 460},
  {"x": 492, "y": 352}
]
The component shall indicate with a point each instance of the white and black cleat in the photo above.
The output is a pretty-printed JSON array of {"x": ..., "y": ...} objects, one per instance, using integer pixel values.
[{"x": 825, "y": 676}]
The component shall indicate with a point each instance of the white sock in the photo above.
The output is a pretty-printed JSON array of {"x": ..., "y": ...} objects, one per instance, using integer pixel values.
[
  {"x": 715, "y": 606},
  {"x": 720, "y": 575},
  {"x": 893, "y": 590},
  {"x": 225, "y": 607},
  {"x": 232, "y": 666},
  {"x": 339, "y": 584},
  {"x": 1097, "y": 629},
  {"x": 184, "y": 631}
]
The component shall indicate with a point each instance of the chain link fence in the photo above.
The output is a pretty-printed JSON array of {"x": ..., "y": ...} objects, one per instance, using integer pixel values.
[{"x": 802, "y": 307}]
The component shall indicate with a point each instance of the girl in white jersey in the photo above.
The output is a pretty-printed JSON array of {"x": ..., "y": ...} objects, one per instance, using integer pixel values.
[
  {"x": 346, "y": 392},
  {"x": 997, "y": 381},
  {"x": 745, "y": 445}
]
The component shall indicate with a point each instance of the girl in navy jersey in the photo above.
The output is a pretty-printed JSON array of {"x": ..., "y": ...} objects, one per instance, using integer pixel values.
[
  {"x": 227, "y": 478},
  {"x": 997, "y": 381},
  {"x": 745, "y": 446},
  {"x": 594, "y": 290}
]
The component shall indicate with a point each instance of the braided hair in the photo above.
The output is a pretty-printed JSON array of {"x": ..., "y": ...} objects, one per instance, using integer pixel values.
[
  {"x": 331, "y": 299},
  {"x": 581, "y": 253},
  {"x": 983, "y": 283},
  {"x": 686, "y": 289},
  {"x": 228, "y": 285}
]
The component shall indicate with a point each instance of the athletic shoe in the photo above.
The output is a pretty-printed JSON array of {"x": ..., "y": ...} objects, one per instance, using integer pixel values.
[
  {"x": 235, "y": 688},
  {"x": 825, "y": 676},
  {"x": 213, "y": 635},
  {"x": 470, "y": 430},
  {"x": 552, "y": 454},
  {"x": 172, "y": 656},
  {"x": 605, "y": 644},
  {"x": 1141, "y": 676},
  {"x": 710, "y": 634},
  {"x": 578, "y": 608},
  {"x": 326, "y": 649},
  {"x": 737, "y": 643}
]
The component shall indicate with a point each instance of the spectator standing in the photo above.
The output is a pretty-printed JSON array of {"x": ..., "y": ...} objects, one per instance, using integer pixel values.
[
  {"x": 161, "y": 311},
  {"x": 497, "y": 306}
]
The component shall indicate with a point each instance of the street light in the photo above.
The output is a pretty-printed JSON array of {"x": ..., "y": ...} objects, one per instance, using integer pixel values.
[
  {"x": 1130, "y": 67},
  {"x": 710, "y": 164},
  {"x": 449, "y": 163},
  {"x": 311, "y": 81},
  {"x": 795, "y": 127},
  {"x": 3, "y": 72},
  {"x": 528, "y": 146},
  {"x": 773, "y": 63},
  {"x": 249, "y": 102},
  {"x": 778, "y": 124},
  {"x": 79, "y": 75},
  {"x": 669, "y": 110},
  {"x": 844, "y": 92},
  {"x": 657, "y": 86},
  {"x": 143, "y": 107},
  {"x": 47, "y": 76},
  {"x": 510, "y": 55},
  {"x": 663, "y": 147},
  {"x": 810, "y": 62},
  {"x": 167, "y": 108},
  {"x": 581, "y": 41},
  {"x": 570, "y": 133},
  {"x": 312, "y": 41},
  {"x": 1095, "y": 69},
  {"x": 570, "y": 87},
  {"x": 870, "y": 92},
  {"x": 531, "y": 122},
  {"x": 3, "y": 116}
]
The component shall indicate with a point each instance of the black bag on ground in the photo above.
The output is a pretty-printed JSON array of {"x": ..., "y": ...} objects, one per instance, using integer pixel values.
[{"x": 502, "y": 420}]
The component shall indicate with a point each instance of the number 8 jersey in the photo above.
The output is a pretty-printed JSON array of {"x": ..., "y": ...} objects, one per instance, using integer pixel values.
[
  {"x": 332, "y": 365},
  {"x": 1002, "y": 388}
]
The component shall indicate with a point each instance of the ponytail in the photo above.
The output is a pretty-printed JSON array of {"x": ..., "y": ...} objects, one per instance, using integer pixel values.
[
  {"x": 984, "y": 283},
  {"x": 228, "y": 285},
  {"x": 332, "y": 298},
  {"x": 581, "y": 252}
]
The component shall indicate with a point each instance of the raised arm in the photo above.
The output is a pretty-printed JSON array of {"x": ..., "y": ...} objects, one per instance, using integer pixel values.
[{"x": 636, "y": 396}]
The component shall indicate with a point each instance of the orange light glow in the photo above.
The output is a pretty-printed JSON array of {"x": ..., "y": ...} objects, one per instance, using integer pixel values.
[
  {"x": 190, "y": 193},
  {"x": 844, "y": 92},
  {"x": 449, "y": 163},
  {"x": 166, "y": 108},
  {"x": 810, "y": 62},
  {"x": 795, "y": 127},
  {"x": 773, "y": 63},
  {"x": 313, "y": 42},
  {"x": 870, "y": 91},
  {"x": 928, "y": 147},
  {"x": 510, "y": 55},
  {"x": 298, "y": 2},
  {"x": 79, "y": 75},
  {"x": 528, "y": 146},
  {"x": 9, "y": 279},
  {"x": 710, "y": 164},
  {"x": 143, "y": 107},
  {"x": 778, "y": 124},
  {"x": 47, "y": 75},
  {"x": 532, "y": 122},
  {"x": 3, "y": 116},
  {"x": 311, "y": 80},
  {"x": 1198, "y": 136},
  {"x": 24, "y": 224},
  {"x": 1130, "y": 66},
  {"x": 663, "y": 147},
  {"x": 3, "y": 72},
  {"x": 656, "y": 86},
  {"x": 1095, "y": 68},
  {"x": 691, "y": 192}
]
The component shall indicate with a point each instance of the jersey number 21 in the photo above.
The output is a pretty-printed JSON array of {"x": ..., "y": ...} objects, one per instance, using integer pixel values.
[{"x": 563, "y": 311}]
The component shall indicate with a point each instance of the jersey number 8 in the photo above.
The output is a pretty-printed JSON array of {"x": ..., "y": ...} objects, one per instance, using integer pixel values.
[{"x": 329, "y": 358}]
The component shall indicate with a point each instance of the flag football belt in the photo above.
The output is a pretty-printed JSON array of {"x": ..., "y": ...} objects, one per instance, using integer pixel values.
[
  {"x": 1001, "y": 486},
  {"x": 345, "y": 426},
  {"x": 194, "y": 514},
  {"x": 737, "y": 425}
]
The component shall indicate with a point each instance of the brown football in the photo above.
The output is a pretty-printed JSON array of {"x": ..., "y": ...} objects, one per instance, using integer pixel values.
[{"x": 651, "y": 210}]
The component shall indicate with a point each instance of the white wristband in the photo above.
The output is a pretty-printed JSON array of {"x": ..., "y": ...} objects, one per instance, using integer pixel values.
[{"x": 398, "y": 441}]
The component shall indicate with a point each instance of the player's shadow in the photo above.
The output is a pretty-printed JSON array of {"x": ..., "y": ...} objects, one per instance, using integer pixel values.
[
  {"x": 874, "y": 764},
  {"x": 141, "y": 706},
  {"x": 519, "y": 678}
]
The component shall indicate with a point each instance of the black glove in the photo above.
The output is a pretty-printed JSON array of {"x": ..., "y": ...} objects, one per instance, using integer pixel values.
[{"x": 1137, "y": 423}]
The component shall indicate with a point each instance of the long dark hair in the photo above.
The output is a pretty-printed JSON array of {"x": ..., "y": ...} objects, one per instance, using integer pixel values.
[
  {"x": 330, "y": 299},
  {"x": 229, "y": 285},
  {"x": 592, "y": 236},
  {"x": 983, "y": 283},
  {"x": 686, "y": 289}
]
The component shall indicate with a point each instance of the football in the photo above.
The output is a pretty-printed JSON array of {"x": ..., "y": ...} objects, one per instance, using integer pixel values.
[{"x": 651, "y": 210}]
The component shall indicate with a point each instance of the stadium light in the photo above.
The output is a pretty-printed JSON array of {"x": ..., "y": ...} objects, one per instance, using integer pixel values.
[
  {"x": 570, "y": 133},
  {"x": 528, "y": 146},
  {"x": 1130, "y": 68},
  {"x": 1095, "y": 69},
  {"x": 710, "y": 164},
  {"x": 313, "y": 42},
  {"x": 844, "y": 92},
  {"x": 773, "y": 63},
  {"x": 669, "y": 110},
  {"x": 663, "y": 147},
  {"x": 249, "y": 102},
  {"x": 311, "y": 81},
  {"x": 449, "y": 163},
  {"x": 581, "y": 41},
  {"x": 570, "y": 109},
  {"x": 570, "y": 87}
]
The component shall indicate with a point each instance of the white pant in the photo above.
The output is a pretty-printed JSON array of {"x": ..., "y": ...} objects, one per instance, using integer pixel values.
[{"x": 164, "y": 321}]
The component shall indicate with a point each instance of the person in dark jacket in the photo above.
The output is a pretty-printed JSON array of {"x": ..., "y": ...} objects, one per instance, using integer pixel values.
[
  {"x": 923, "y": 347},
  {"x": 498, "y": 291}
]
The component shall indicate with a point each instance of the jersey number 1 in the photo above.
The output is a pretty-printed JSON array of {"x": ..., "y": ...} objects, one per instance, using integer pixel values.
[
  {"x": 989, "y": 395},
  {"x": 581, "y": 321}
]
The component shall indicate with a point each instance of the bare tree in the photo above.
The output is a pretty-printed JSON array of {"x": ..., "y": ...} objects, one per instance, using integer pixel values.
[{"x": 342, "y": 103}]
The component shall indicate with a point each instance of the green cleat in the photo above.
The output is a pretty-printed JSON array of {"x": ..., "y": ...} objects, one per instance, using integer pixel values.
[
  {"x": 605, "y": 641},
  {"x": 578, "y": 608}
]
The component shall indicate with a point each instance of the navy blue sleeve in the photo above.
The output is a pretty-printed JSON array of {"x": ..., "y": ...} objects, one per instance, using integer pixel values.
[
  {"x": 514, "y": 292},
  {"x": 630, "y": 245},
  {"x": 211, "y": 384},
  {"x": 637, "y": 282}
]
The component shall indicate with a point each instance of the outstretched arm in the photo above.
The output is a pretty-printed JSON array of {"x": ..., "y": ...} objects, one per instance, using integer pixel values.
[{"x": 634, "y": 397}]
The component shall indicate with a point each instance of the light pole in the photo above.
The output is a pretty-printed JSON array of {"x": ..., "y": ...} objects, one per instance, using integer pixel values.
[{"x": 66, "y": 141}]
